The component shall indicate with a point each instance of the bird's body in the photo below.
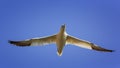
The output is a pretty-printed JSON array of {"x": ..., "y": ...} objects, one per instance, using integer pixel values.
[{"x": 60, "y": 39}]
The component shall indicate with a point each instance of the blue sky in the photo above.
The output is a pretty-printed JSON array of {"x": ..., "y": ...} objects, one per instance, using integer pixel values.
[{"x": 97, "y": 21}]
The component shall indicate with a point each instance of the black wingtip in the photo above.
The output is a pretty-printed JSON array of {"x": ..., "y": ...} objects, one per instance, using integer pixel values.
[
  {"x": 97, "y": 48},
  {"x": 11, "y": 42},
  {"x": 111, "y": 50},
  {"x": 106, "y": 50},
  {"x": 19, "y": 43}
]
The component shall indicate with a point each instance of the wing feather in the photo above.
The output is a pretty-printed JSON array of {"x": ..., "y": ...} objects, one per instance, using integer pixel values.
[
  {"x": 85, "y": 44},
  {"x": 35, "y": 41}
]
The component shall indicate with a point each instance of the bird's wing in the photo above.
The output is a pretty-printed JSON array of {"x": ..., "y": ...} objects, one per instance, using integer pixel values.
[
  {"x": 35, "y": 41},
  {"x": 85, "y": 44}
]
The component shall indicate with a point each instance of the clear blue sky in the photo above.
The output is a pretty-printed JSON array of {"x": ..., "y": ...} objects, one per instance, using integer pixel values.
[{"x": 97, "y": 21}]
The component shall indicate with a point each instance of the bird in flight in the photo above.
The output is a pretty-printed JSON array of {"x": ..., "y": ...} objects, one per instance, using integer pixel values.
[{"x": 60, "y": 39}]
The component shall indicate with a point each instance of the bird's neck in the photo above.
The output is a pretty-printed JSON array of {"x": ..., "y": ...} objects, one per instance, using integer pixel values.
[{"x": 62, "y": 31}]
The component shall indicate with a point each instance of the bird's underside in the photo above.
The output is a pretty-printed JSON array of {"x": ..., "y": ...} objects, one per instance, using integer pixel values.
[{"x": 55, "y": 39}]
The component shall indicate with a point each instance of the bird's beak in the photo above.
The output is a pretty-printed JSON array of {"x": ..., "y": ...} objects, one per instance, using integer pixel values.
[{"x": 63, "y": 26}]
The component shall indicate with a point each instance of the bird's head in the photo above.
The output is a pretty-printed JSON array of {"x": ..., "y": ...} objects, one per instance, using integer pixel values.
[
  {"x": 63, "y": 26},
  {"x": 62, "y": 29}
]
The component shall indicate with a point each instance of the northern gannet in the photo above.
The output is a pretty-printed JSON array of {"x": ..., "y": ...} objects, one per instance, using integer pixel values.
[{"x": 60, "y": 39}]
